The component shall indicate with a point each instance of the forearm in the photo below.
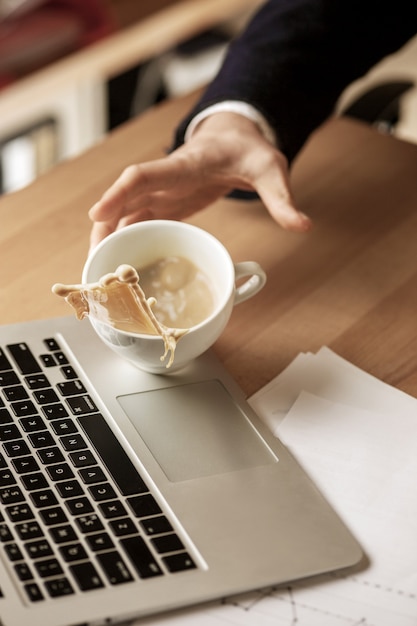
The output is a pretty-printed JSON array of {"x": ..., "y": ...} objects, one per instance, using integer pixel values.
[{"x": 297, "y": 56}]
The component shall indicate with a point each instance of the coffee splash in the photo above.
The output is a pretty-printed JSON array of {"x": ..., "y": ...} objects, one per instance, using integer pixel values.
[{"x": 118, "y": 300}]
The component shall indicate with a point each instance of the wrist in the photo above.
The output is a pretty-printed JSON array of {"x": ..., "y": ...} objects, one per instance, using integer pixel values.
[{"x": 238, "y": 110}]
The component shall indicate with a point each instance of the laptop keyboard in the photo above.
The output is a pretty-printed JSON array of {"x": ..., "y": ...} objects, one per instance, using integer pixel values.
[{"x": 75, "y": 515}]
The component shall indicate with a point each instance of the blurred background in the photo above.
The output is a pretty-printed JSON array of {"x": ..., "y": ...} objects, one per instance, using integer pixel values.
[{"x": 73, "y": 70}]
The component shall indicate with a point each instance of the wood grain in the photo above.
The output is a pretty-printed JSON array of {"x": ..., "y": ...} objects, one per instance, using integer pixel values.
[{"x": 351, "y": 283}]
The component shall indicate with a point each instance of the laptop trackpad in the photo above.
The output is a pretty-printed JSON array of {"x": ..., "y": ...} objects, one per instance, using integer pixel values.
[{"x": 196, "y": 430}]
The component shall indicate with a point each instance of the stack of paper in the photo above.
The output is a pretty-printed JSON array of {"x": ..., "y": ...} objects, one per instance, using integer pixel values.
[{"x": 357, "y": 438}]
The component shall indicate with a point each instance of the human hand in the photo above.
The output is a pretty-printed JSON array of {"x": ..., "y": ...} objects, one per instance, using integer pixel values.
[{"x": 226, "y": 152}]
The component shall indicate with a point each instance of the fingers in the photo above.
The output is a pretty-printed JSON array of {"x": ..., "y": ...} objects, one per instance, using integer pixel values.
[
  {"x": 135, "y": 181},
  {"x": 273, "y": 187},
  {"x": 283, "y": 210},
  {"x": 196, "y": 175},
  {"x": 99, "y": 231}
]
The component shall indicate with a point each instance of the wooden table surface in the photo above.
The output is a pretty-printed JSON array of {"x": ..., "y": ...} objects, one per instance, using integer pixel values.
[{"x": 350, "y": 284}]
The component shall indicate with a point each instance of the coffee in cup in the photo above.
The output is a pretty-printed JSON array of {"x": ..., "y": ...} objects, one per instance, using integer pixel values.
[{"x": 167, "y": 253}]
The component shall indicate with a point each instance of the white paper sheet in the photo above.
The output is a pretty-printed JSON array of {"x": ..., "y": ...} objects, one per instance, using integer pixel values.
[
  {"x": 329, "y": 376},
  {"x": 357, "y": 438}
]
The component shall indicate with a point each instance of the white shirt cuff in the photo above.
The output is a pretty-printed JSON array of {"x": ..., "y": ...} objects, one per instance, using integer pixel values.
[{"x": 234, "y": 106}]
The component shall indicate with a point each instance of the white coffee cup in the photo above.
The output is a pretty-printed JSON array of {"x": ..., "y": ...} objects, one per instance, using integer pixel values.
[{"x": 143, "y": 243}]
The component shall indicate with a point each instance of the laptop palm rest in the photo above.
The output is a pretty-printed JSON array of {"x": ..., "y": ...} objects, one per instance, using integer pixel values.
[{"x": 195, "y": 430}]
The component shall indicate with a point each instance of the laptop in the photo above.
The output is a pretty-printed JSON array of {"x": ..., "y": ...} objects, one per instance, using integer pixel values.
[{"x": 125, "y": 494}]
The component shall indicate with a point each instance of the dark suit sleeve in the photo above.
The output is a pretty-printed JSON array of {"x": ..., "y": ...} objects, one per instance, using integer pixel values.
[{"x": 296, "y": 56}]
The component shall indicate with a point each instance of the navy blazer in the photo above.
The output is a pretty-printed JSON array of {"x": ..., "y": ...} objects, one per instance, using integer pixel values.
[{"x": 295, "y": 58}]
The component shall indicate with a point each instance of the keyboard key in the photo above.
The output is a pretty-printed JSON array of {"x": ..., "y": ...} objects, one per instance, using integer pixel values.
[
  {"x": 32, "y": 424},
  {"x": 68, "y": 372},
  {"x": 69, "y": 489},
  {"x": 112, "y": 509},
  {"x": 5, "y": 416},
  {"x": 89, "y": 523},
  {"x": 37, "y": 381},
  {"x": 156, "y": 525},
  {"x": 81, "y": 405},
  {"x": 100, "y": 541},
  {"x": 50, "y": 455},
  {"x": 79, "y": 506},
  {"x": 167, "y": 543},
  {"x": 29, "y": 530},
  {"x": 86, "y": 576},
  {"x": 73, "y": 552},
  {"x": 141, "y": 557},
  {"x": 16, "y": 448},
  {"x": 19, "y": 512},
  {"x": 33, "y": 592},
  {"x": 113, "y": 455},
  {"x": 48, "y": 567},
  {"x": 54, "y": 411},
  {"x": 114, "y": 567},
  {"x": 92, "y": 475},
  {"x": 102, "y": 492},
  {"x": 46, "y": 396},
  {"x": 13, "y": 552},
  {"x": 59, "y": 587},
  {"x": 5, "y": 534},
  {"x": 11, "y": 495},
  {"x": 41, "y": 439},
  {"x": 4, "y": 361},
  {"x": 43, "y": 498},
  {"x": 24, "y": 358},
  {"x": 38, "y": 549},
  {"x": 83, "y": 458},
  {"x": 179, "y": 562},
  {"x": 61, "y": 358},
  {"x": 48, "y": 360},
  {"x": 52, "y": 344},
  {"x": 63, "y": 534},
  {"x": 144, "y": 506},
  {"x": 61, "y": 471},
  {"x": 6, "y": 478},
  {"x": 64, "y": 427},
  {"x": 23, "y": 571},
  {"x": 9, "y": 432},
  {"x": 53, "y": 516},
  {"x": 34, "y": 481},
  {"x": 71, "y": 388},
  {"x": 25, "y": 464},
  {"x": 123, "y": 527},
  {"x": 9, "y": 378},
  {"x": 18, "y": 392},
  {"x": 23, "y": 408},
  {"x": 73, "y": 442}
]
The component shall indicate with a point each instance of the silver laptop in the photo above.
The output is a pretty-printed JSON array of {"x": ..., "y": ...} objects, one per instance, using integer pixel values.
[{"x": 124, "y": 494}]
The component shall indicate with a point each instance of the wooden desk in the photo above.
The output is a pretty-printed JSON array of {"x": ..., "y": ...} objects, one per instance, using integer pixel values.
[{"x": 350, "y": 284}]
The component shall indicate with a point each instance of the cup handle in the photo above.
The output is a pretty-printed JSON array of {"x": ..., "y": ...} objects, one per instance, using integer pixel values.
[{"x": 251, "y": 286}]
